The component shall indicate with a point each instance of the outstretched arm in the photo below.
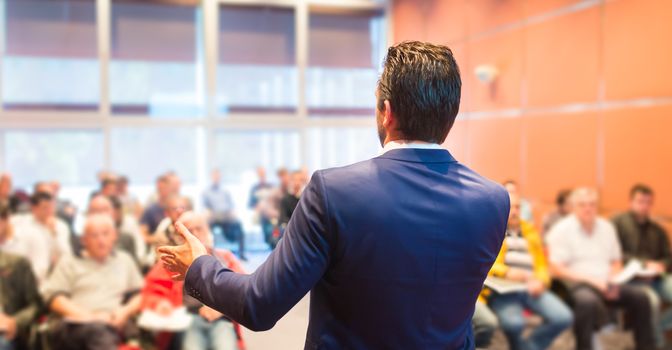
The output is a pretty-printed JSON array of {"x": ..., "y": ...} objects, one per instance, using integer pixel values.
[{"x": 259, "y": 300}]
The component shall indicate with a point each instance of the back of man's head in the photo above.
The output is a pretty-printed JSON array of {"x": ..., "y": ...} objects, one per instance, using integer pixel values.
[{"x": 422, "y": 83}]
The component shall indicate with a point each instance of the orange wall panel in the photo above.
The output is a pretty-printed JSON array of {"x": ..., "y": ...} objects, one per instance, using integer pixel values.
[
  {"x": 494, "y": 147},
  {"x": 446, "y": 22},
  {"x": 638, "y": 148},
  {"x": 560, "y": 152},
  {"x": 485, "y": 15},
  {"x": 552, "y": 69},
  {"x": 538, "y": 7},
  {"x": 409, "y": 20},
  {"x": 504, "y": 51},
  {"x": 562, "y": 57},
  {"x": 638, "y": 49}
]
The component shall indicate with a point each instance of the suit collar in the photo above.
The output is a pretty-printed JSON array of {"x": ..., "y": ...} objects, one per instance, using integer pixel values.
[{"x": 419, "y": 155}]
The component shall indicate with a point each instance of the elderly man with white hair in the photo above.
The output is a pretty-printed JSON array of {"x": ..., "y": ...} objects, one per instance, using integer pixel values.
[
  {"x": 96, "y": 294},
  {"x": 585, "y": 253},
  {"x": 127, "y": 241}
]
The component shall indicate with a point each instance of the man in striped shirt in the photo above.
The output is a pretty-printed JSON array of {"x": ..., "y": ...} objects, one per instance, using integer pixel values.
[{"x": 522, "y": 259}]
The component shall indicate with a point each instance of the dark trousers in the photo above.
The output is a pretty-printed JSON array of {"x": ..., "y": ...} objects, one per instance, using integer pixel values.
[
  {"x": 590, "y": 310},
  {"x": 232, "y": 230},
  {"x": 86, "y": 336}
]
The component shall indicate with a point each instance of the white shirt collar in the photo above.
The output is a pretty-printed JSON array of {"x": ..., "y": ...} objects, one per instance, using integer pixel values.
[{"x": 401, "y": 144}]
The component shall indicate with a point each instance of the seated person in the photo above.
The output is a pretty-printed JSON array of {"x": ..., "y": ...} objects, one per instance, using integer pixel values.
[
  {"x": 644, "y": 240},
  {"x": 101, "y": 204},
  {"x": 87, "y": 293},
  {"x": 292, "y": 197},
  {"x": 562, "y": 208},
  {"x": 584, "y": 252},
  {"x": 46, "y": 237},
  {"x": 153, "y": 214},
  {"x": 19, "y": 298},
  {"x": 209, "y": 329},
  {"x": 522, "y": 259},
  {"x": 127, "y": 226},
  {"x": 176, "y": 205},
  {"x": 217, "y": 200}
]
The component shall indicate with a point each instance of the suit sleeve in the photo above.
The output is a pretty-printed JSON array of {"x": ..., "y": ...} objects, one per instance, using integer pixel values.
[{"x": 259, "y": 300}]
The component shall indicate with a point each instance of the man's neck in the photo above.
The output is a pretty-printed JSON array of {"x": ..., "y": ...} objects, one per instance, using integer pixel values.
[{"x": 406, "y": 142}]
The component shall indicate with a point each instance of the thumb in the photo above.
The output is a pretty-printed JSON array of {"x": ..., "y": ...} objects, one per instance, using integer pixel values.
[{"x": 189, "y": 238}]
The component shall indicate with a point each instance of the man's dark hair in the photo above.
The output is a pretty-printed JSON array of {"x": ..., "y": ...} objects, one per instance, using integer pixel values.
[
  {"x": 640, "y": 188},
  {"x": 107, "y": 182},
  {"x": 116, "y": 202},
  {"x": 422, "y": 83},
  {"x": 562, "y": 197},
  {"x": 39, "y": 197}
]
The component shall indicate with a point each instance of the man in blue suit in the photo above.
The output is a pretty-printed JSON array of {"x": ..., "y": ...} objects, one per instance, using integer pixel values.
[{"x": 394, "y": 249}]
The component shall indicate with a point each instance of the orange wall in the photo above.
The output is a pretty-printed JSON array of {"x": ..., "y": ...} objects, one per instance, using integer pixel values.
[{"x": 583, "y": 96}]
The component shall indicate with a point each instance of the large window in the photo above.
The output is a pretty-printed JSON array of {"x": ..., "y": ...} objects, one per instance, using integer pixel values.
[
  {"x": 144, "y": 153},
  {"x": 51, "y": 55},
  {"x": 130, "y": 79},
  {"x": 332, "y": 147},
  {"x": 345, "y": 53},
  {"x": 239, "y": 152},
  {"x": 154, "y": 69},
  {"x": 71, "y": 157},
  {"x": 256, "y": 71}
]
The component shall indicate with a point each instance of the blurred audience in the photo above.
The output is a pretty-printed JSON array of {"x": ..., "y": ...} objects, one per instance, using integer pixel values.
[
  {"x": 65, "y": 209},
  {"x": 563, "y": 207},
  {"x": 209, "y": 329},
  {"x": 101, "y": 204},
  {"x": 155, "y": 211},
  {"x": 260, "y": 190},
  {"x": 291, "y": 198},
  {"x": 40, "y": 235},
  {"x": 284, "y": 178},
  {"x": 525, "y": 206},
  {"x": 127, "y": 225},
  {"x": 19, "y": 298},
  {"x": 521, "y": 259},
  {"x": 221, "y": 213},
  {"x": 130, "y": 203},
  {"x": 91, "y": 287},
  {"x": 176, "y": 205},
  {"x": 645, "y": 241},
  {"x": 585, "y": 254},
  {"x": 93, "y": 296},
  {"x": 264, "y": 201}
]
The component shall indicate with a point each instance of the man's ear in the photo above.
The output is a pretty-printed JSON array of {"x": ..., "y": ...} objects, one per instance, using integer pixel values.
[{"x": 388, "y": 116}]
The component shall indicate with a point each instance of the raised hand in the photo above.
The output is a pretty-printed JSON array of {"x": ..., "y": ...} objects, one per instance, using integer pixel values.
[{"x": 177, "y": 259}]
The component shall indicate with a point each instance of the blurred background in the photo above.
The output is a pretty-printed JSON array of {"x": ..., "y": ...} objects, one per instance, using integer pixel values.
[
  {"x": 144, "y": 87},
  {"x": 556, "y": 94}
]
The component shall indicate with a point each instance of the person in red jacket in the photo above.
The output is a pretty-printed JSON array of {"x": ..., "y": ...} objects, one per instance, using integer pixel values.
[{"x": 209, "y": 328}]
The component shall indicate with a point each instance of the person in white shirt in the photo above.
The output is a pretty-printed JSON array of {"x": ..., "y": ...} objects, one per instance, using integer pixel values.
[
  {"x": 584, "y": 252},
  {"x": 41, "y": 236}
]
